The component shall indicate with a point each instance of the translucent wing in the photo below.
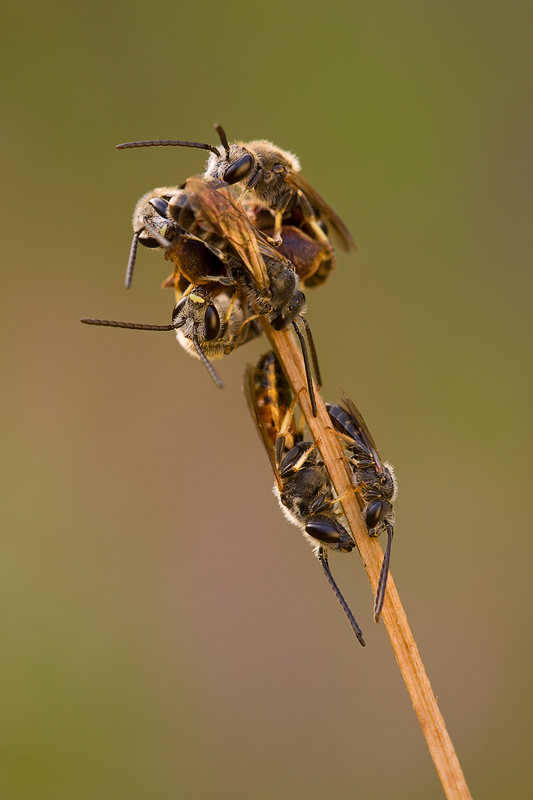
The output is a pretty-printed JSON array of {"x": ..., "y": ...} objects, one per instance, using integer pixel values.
[
  {"x": 364, "y": 433},
  {"x": 298, "y": 182},
  {"x": 215, "y": 208}
]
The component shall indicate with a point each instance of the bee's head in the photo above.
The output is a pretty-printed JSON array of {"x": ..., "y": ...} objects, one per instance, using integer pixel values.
[
  {"x": 199, "y": 307},
  {"x": 233, "y": 164}
]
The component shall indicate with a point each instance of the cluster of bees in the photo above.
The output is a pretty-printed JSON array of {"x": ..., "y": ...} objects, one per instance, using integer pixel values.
[{"x": 243, "y": 240}]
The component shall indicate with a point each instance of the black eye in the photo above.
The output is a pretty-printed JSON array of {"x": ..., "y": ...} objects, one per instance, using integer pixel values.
[
  {"x": 178, "y": 308},
  {"x": 323, "y": 531},
  {"x": 279, "y": 322},
  {"x": 373, "y": 513},
  {"x": 239, "y": 169},
  {"x": 176, "y": 204},
  {"x": 148, "y": 242},
  {"x": 212, "y": 323},
  {"x": 160, "y": 206}
]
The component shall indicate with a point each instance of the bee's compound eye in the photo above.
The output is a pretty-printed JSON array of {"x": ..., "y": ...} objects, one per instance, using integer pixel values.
[
  {"x": 148, "y": 242},
  {"x": 322, "y": 530},
  {"x": 176, "y": 204},
  {"x": 373, "y": 513},
  {"x": 160, "y": 206},
  {"x": 211, "y": 322},
  {"x": 178, "y": 309},
  {"x": 279, "y": 322},
  {"x": 239, "y": 169}
]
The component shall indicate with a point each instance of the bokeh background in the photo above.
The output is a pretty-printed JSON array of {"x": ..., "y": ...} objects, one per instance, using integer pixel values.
[{"x": 164, "y": 632}]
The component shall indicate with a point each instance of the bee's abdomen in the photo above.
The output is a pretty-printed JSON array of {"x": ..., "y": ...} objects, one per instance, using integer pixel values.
[{"x": 271, "y": 392}]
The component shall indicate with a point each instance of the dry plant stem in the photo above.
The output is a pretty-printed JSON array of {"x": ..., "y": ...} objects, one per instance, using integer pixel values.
[{"x": 403, "y": 644}]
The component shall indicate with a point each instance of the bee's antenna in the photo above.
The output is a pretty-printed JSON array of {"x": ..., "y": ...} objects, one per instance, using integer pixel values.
[
  {"x": 307, "y": 367},
  {"x": 383, "y": 575},
  {"x": 312, "y": 348},
  {"x": 168, "y": 143},
  {"x": 223, "y": 138},
  {"x": 323, "y": 559},
  {"x": 131, "y": 260},
  {"x": 205, "y": 361},
  {"x": 136, "y": 326}
]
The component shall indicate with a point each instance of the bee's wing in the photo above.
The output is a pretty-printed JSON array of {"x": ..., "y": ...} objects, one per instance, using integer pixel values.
[
  {"x": 250, "y": 392},
  {"x": 298, "y": 182},
  {"x": 364, "y": 433},
  {"x": 215, "y": 206}
]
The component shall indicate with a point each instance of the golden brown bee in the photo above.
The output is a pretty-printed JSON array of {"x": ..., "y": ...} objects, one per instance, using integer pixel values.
[
  {"x": 196, "y": 260},
  {"x": 211, "y": 240},
  {"x": 153, "y": 228},
  {"x": 303, "y": 486},
  {"x": 271, "y": 178},
  {"x": 207, "y": 209},
  {"x": 374, "y": 478}
]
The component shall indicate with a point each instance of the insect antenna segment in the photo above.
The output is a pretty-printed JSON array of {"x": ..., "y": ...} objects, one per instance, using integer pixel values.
[{"x": 324, "y": 563}]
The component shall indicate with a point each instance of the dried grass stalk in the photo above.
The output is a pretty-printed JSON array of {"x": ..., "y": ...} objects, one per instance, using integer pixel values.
[{"x": 404, "y": 646}]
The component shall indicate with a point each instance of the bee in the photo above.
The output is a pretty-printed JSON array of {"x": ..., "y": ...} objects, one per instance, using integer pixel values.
[
  {"x": 271, "y": 177},
  {"x": 210, "y": 240},
  {"x": 199, "y": 262},
  {"x": 302, "y": 483},
  {"x": 202, "y": 221},
  {"x": 374, "y": 478},
  {"x": 209, "y": 322},
  {"x": 207, "y": 210},
  {"x": 152, "y": 227}
]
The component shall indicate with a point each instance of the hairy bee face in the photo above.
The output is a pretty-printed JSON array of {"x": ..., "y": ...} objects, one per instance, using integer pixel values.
[
  {"x": 151, "y": 208},
  {"x": 259, "y": 166}
]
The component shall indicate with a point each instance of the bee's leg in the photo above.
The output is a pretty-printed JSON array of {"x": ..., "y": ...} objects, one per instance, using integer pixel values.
[
  {"x": 230, "y": 307},
  {"x": 247, "y": 321},
  {"x": 310, "y": 220},
  {"x": 224, "y": 280},
  {"x": 290, "y": 413},
  {"x": 344, "y": 436},
  {"x": 280, "y": 440},
  {"x": 278, "y": 215},
  {"x": 323, "y": 559},
  {"x": 384, "y": 574},
  {"x": 278, "y": 220},
  {"x": 177, "y": 290},
  {"x": 296, "y": 466},
  {"x": 346, "y": 494}
]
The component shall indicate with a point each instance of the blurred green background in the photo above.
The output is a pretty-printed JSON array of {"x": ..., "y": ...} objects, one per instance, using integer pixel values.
[{"x": 165, "y": 633}]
